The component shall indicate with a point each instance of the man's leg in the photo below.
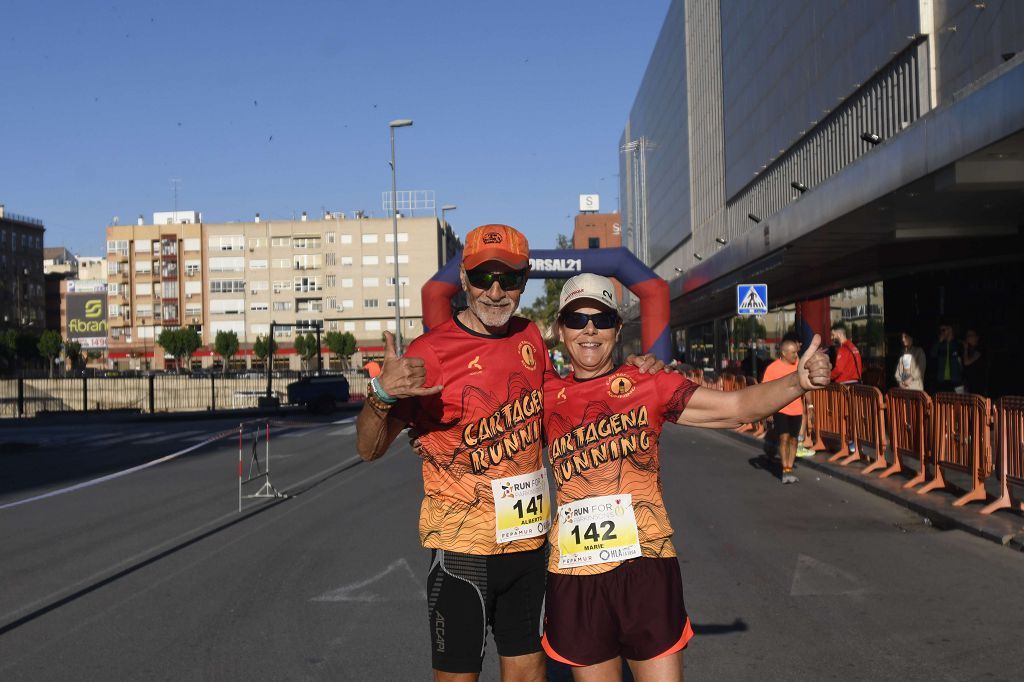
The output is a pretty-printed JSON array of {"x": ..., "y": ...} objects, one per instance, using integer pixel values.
[
  {"x": 607, "y": 671},
  {"x": 456, "y": 603},
  {"x": 518, "y": 581},
  {"x": 525, "y": 668}
]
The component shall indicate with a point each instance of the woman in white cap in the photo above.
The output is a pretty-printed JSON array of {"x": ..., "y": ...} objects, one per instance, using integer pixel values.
[{"x": 614, "y": 589}]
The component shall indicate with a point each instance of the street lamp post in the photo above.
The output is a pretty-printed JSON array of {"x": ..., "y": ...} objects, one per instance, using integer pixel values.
[
  {"x": 444, "y": 231},
  {"x": 398, "y": 123}
]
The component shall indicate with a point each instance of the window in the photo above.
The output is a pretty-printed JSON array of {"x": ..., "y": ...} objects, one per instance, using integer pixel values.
[
  {"x": 391, "y": 303},
  {"x": 113, "y": 289},
  {"x": 119, "y": 247},
  {"x": 306, "y": 243},
  {"x": 372, "y": 325},
  {"x": 371, "y": 303},
  {"x": 227, "y": 286},
  {"x": 391, "y": 325},
  {"x": 402, "y": 237},
  {"x": 307, "y": 284},
  {"x": 282, "y": 305},
  {"x": 170, "y": 311},
  {"x": 193, "y": 245},
  {"x": 143, "y": 289},
  {"x": 143, "y": 267},
  {"x": 346, "y": 283},
  {"x": 261, "y": 329},
  {"x": 347, "y": 303},
  {"x": 332, "y": 281},
  {"x": 371, "y": 282},
  {"x": 306, "y": 262},
  {"x": 236, "y": 326},
  {"x": 257, "y": 264},
  {"x": 594, "y": 243},
  {"x": 114, "y": 309},
  {"x": 231, "y": 264},
  {"x": 330, "y": 236},
  {"x": 332, "y": 325},
  {"x": 170, "y": 290},
  {"x": 193, "y": 310},
  {"x": 142, "y": 246},
  {"x": 282, "y": 331},
  {"x": 346, "y": 239},
  {"x": 257, "y": 242},
  {"x": 143, "y": 311},
  {"x": 332, "y": 303},
  {"x": 193, "y": 288},
  {"x": 371, "y": 260},
  {"x": 307, "y": 325},
  {"x": 228, "y": 242},
  {"x": 258, "y": 285},
  {"x": 282, "y": 264},
  {"x": 192, "y": 267},
  {"x": 346, "y": 260},
  {"x": 390, "y": 281},
  {"x": 282, "y": 285},
  {"x": 112, "y": 267},
  {"x": 390, "y": 260},
  {"x": 330, "y": 259},
  {"x": 226, "y": 306},
  {"x": 369, "y": 239},
  {"x": 280, "y": 241},
  {"x": 349, "y": 326}
]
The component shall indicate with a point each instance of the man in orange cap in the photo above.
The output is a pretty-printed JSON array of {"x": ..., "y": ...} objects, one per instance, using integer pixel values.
[{"x": 473, "y": 389}]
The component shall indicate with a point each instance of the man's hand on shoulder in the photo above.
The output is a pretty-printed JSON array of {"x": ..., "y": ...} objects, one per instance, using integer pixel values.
[
  {"x": 647, "y": 363},
  {"x": 402, "y": 377},
  {"x": 814, "y": 369}
]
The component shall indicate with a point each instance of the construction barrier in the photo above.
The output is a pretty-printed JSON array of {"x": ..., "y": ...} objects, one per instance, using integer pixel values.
[
  {"x": 867, "y": 426},
  {"x": 1010, "y": 440},
  {"x": 828, "y": 412},
  {"x": 909, "y": 413},
  {"x": 961, "y": 441}
]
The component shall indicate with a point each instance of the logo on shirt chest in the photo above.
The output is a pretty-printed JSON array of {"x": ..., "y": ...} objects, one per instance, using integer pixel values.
[
  {"x": 528, "y": 355},
  {"x": 620, "y": 385},
  {"x": 474, "y": 364}
]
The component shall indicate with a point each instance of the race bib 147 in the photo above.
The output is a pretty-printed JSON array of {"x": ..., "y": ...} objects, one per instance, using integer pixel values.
[{"x": 521, "y": 506}]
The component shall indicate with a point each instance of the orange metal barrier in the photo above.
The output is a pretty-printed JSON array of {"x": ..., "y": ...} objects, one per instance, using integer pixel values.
[
  {"x": 1010, "y": 439},
  {"x": 828, "y": 413},
  {"x": 867, "y": 422},
  {"x": 909, "y": 414},
  {"x": 961, "y": 441}
]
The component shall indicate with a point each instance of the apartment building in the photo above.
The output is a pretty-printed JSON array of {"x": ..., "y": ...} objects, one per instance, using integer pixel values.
[
  {"x": 21, "y": 272},
  {"x": 332, "y": 273}
]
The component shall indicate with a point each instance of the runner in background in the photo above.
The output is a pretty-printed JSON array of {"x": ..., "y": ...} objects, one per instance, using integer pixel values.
[
  {"x": 472, "y": 390},
  {"x": 787, "y": 420},
  {"x": 614, "y": 587}
]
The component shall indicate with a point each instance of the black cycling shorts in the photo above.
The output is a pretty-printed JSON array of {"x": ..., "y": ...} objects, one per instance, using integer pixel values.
[
  {"x": 467, "y": 593},
  {"x": 787, "y": 424}
]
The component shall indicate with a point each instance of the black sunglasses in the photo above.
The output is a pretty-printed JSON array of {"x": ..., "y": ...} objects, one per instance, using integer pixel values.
[
  {"x": 605, "y": 320},
  {"x": 508, "y": 281}
]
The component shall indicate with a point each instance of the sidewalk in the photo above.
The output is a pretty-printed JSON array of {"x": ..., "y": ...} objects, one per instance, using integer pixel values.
[{"x": 1003, "y": 527}]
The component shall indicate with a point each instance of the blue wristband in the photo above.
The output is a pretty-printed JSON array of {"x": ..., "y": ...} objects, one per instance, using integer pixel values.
[{"x": 380, "y": 392}]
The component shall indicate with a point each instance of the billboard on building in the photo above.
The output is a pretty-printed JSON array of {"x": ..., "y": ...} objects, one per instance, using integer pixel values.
[
  {"x": 87, "y": 318},
  {"x": 590, "y": 202}
]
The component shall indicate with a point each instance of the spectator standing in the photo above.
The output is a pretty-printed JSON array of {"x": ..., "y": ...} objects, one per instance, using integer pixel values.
[
  {"x": 911, "y": 365},
  {"x": 975, "y": 364},
  {"x": 787, "y": 419},
  {"x": 848, "y": 366},
  {"x": 945, "y": 357}
]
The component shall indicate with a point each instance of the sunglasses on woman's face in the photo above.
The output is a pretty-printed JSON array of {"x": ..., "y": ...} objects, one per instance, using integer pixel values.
[
  {"x": 508, "y": 281},
  {"x": 605, "y": 320}
]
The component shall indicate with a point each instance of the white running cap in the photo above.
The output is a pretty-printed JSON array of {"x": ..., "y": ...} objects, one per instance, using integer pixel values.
[{"x": 589, "y": 287}]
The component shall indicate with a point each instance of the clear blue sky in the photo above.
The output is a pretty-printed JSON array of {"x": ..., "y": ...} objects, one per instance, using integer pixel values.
[{"x": 278, "y": 107}]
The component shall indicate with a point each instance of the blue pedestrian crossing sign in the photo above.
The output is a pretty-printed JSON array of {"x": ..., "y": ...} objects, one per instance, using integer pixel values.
[{"x": 751, "y": 299}]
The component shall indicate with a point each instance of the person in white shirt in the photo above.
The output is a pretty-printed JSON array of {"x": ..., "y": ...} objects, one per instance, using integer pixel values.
[{"x": 911, "y": 365}]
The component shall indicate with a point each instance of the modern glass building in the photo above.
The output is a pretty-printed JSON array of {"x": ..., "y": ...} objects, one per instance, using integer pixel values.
[{"x": 821, "y": 146}]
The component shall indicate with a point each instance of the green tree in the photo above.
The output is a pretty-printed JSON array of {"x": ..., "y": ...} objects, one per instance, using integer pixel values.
[
  {"x": 544, "y": 308},
  {"x": 263, "y": 347},
  {"x": 225, "y": 344},
  {"x": 73, "y": 350},
  {"x": 190, "y": 342},
  {"x": 743, "y": 326},
  {"x": 170, "y": 341},
  {"x": 49, "y": 345},
  {"x": 306, "y": 347},
  {"x": 341, "y": 344}
]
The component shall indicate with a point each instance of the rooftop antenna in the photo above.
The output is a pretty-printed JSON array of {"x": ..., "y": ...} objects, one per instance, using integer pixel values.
[{"x": 175, "y": 184}]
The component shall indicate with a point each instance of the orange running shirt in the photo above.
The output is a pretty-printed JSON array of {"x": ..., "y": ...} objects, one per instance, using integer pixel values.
[
  {"x": 485, "y": 424},
  {"x": 777, "y": 370},
  {"x": 602, "y": 437}
]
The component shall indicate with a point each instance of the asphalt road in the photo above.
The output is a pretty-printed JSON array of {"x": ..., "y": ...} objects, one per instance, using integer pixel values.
[{"x": 155, "y": 575}]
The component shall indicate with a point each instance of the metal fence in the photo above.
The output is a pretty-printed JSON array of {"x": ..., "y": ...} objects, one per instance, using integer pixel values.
[{"x": 27, "y": 397}]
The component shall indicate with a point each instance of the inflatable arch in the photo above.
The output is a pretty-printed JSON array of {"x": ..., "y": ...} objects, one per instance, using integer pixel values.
[{"x": 620, "y": 263}]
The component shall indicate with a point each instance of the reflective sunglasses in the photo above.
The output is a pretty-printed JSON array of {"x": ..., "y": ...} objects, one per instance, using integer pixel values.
[
  {"x": 605, "y": 320},
  {"x": 508, "y": 281}
]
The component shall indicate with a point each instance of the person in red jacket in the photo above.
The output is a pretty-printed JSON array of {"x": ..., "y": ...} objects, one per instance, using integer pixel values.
[{"x": 847, "y": 368}]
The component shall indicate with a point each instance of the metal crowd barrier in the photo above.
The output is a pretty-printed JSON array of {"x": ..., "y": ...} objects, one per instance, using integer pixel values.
[
  {"x": 1010, "y": 439},
  {"x": 909, "y": 414},
  {"x": 828, "y": 409},
  {"x": 961, "y": 441},
  {"x": 867, "y": 426}
]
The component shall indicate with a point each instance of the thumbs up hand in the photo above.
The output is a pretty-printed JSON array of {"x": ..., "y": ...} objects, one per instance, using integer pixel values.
[
  {"x": 403, "y": 377},
  {"x": 814, "y": 369}
]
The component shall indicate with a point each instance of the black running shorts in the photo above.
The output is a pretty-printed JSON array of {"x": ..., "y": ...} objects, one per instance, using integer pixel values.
[
  {"x": 466, "y": 593},
  {"x": 787, "y": 424},
  {"x": 635, "y": 611}
]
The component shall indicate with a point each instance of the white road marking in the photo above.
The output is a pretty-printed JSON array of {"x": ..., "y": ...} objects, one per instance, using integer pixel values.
[{"x": 396, "y": 582}]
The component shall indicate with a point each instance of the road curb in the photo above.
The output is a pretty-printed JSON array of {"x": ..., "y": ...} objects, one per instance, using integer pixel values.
[{"x": 936, "y": 507}]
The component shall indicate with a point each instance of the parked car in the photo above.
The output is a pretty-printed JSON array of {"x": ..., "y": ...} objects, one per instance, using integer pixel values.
[{"x": 319, "y": 393}]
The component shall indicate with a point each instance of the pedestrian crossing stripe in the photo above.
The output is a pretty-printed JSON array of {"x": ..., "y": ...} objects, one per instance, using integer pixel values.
[{"x": 751, "y": 299}]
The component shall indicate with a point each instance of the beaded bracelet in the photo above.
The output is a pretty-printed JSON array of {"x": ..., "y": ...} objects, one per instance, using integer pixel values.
[{"x": 378, "y": 404}]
